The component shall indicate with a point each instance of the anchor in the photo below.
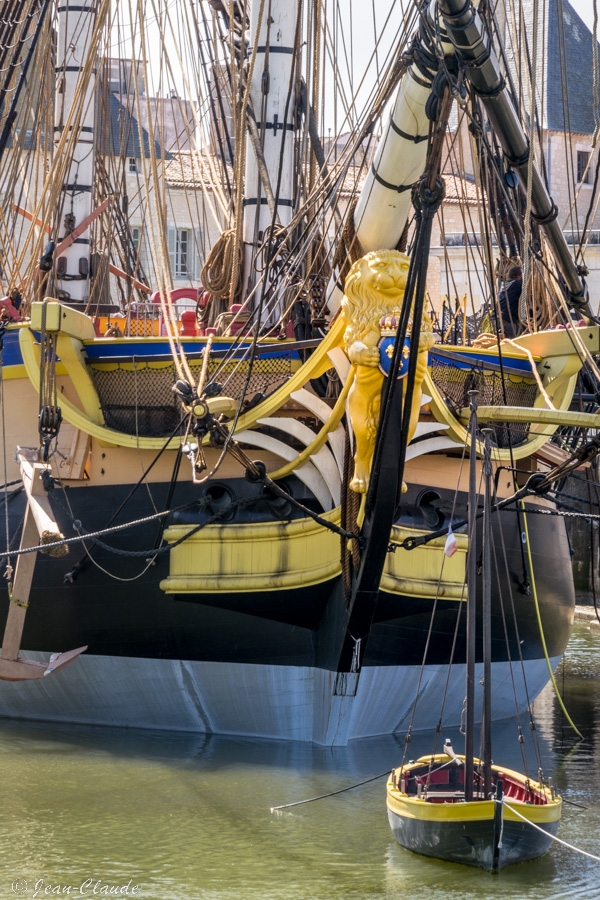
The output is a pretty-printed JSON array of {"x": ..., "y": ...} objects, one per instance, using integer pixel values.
[{"x": 39, "y": 527}]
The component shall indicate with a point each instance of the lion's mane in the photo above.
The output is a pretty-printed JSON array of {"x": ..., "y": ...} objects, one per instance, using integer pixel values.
[{"x": 363, "y": 305}]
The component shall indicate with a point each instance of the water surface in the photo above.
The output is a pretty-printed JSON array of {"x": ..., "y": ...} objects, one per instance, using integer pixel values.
[{"x": 89, "y": 810}]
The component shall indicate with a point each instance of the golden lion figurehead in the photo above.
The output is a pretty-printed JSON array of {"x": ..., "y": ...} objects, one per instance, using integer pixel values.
[{"x": 374, "y": 288}]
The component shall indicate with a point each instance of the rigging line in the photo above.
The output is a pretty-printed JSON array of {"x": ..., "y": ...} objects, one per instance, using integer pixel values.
[
  {"x": 241, "y": 109},
  {"x": 82, "y": 535},
  {"x": 484, "y": 278},
  {"x": 568, "y": 137},
  {"x": 456, "y": 624},
  {"x": 498, "y": 340},
  {"x": 378, "y": 95},
  {"x": 166, "y": 276},
  {"x": 527, "y": 282},
  {"x": 510, "y": 662},
  {"x": 134, "y": 30},
  {"x": 13, "y": 108},
  {"x": 124, "y": 503},
  {"x": 547, "y": 833},
  {"x": 501, "y": 361},
  {"x": 596, "y": 74},
  {"x": 331, "y": 793},
  {"x": 592, "y": 548},
  {"x": 532, "y": 86},
  {"x": 515, "y": 623},
  {"x": 539, "y": 619},
  {"x": 52, "y": 187},
  {"x": 588, "y": 517},
  {"x": 558, "y": 493},
  {"x": 219, "y": 97},
  {"x": 198, "y": 131},
  {"x": 593, "y": 205},
  {"x": 481, "y": 191},
  {"x": 269, "y": 247},
  {"x": 8, "y": 571},
  {"x": 149, "y": 562},
  {"x": 387, "y": 70}
]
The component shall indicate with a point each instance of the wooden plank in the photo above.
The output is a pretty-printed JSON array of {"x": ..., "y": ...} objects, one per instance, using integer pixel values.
[
  {"x": 534, "y": 415},
  {"x": 39, "y": 505},
  {"x": 17, "y": 610}
]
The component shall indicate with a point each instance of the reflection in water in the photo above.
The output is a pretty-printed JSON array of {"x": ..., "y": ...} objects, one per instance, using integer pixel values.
[{"x": 188, "y": 816}]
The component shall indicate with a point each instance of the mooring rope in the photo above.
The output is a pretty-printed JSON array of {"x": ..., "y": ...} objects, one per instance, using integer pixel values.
[
  {"x": 331, "y": 793},
  {"x": 543, "y": 830}
]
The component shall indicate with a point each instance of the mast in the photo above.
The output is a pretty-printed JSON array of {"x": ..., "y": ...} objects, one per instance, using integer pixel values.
[
  {"x": 474, "y": 48},
  {"x": 273, "y": 36},
  {"x": 487, "y": 615},
  {"x": 471, "y": 603},
  {"x": 75, "y": 25}
]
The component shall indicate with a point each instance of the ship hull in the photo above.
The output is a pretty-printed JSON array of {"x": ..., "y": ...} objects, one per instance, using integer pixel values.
[
  {"x": 472, "y": 843},
  {"x": 297, "y": 703},
  {"x": 265, "y": 663}
]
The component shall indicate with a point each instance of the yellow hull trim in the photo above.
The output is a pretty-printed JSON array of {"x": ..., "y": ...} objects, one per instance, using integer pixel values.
[
  {"x": 414, "y": 807},
  {"x": 253, "y": 557},
  {"x": 317, "y": 365},
  {"x": 268, "y": 556}
]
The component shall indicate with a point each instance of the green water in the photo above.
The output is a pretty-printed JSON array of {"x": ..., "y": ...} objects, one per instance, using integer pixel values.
[{"x": 85, "y": 810}]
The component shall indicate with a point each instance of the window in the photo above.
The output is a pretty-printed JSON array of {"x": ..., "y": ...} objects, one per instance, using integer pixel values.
[
  {"x": 138, "y": 239},
  {"x": 462, "y": 239},
  {"x": 181, "y": 267},
  {"x": 133, "y": 165},
  {"x": 573, "y": 237},
  {"x": 185, "y": 252},
  {"x": 583, "y": 176}
]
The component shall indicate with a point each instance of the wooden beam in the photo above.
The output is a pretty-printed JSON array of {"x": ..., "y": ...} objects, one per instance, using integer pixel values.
[
  {"x": 39, "y": 507},
  {"x": 19, "y": 595},
  {"x": 534, "y": 415}
]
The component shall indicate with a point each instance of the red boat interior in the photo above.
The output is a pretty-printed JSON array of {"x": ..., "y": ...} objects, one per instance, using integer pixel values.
[{"x": 445, "y": 784}]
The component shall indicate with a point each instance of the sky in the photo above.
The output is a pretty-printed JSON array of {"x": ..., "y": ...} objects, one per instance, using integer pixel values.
[
  {"x": 585, "y": 9},
  {"x": 359, "y": 20}
]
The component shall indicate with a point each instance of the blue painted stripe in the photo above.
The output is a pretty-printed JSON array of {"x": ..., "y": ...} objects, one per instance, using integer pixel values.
[
  {"x": 11, "y": 354},
  {"x": 473, "y": 360},
  {"x": 123, "y": 349}
]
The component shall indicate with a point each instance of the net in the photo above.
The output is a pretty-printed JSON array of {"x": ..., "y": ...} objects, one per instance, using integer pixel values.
[
  {"x": 137, "y": 397},
  {"x": 454, "y": 383}
]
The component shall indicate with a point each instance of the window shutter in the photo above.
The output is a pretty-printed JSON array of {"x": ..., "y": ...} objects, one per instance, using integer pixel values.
[
  {"x": 172, "y": 239},
  {"x": 198, "y": 254}
]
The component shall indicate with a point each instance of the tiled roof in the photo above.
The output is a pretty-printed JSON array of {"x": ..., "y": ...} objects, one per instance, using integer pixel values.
[
  {"x": 459, "y": 189},
  {"x": 185, "y": 170},
  {"x": 191, "y": 170},
  {"x": 565, "y": 45}
]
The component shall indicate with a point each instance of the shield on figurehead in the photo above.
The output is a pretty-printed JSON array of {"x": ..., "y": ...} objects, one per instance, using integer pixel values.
[{"x": 389, "y": 325}]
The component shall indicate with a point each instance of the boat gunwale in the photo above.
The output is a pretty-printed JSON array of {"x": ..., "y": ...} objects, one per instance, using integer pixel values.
[{"x": 456, "y": 809}]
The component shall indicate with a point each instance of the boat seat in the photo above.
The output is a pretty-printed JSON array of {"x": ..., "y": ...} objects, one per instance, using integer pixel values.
[{"x": 446, "y": 795}]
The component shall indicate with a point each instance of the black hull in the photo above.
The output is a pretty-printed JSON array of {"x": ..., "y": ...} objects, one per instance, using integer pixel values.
[
  {"x": 472, "y": 843},
  {"x": 294, "y": 627},
  {"x": 263, "y": 664}
]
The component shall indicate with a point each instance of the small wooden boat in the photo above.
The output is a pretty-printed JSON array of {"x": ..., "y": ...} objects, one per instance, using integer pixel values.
[
  {"x": 459, "y": 808},
  {"x": 428, "y": 813}
]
